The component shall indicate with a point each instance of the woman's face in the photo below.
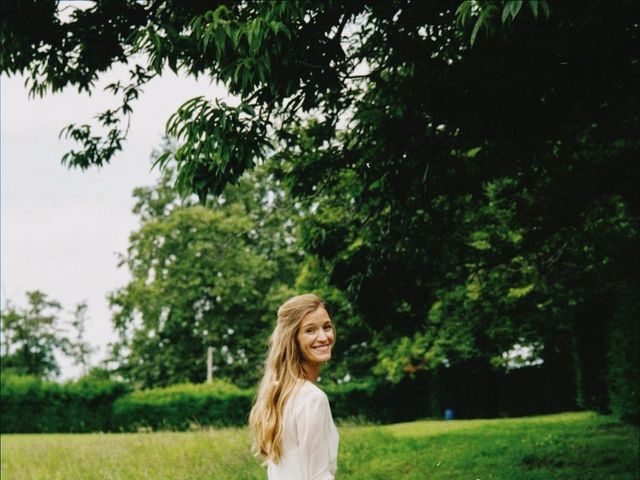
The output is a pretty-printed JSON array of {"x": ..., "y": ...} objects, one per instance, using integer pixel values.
[{"x": 316, "y": 337}]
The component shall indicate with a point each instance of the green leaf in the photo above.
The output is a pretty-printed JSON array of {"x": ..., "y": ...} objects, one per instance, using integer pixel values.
[
  {"x": 480, "y": 245},
  {"x": 506, "y": 11},
  {"x": 475, "y": 29},
  {"x": 161, "y": 161},
  {"x": 545, "y": 7},
  {"x": 155, "y": 39},
  {"x": 471, "y": 153},
  {"x": 516, "y": 5},
  {"x": 519, "y": 292},
  {"x": 463, "y": 11}
]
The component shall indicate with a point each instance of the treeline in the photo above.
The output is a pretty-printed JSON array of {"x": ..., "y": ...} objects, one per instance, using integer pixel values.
[{"x": 32, "y": 336}]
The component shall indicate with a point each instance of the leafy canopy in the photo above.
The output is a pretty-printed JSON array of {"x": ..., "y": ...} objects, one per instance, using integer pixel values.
[{"x": 281, "y": 59}]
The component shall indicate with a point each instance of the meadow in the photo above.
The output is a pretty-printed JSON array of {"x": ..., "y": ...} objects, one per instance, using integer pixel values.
[{"x": 564, "y": 446}]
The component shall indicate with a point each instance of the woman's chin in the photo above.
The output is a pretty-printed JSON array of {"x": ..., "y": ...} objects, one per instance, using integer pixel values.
[{"x": 323, "y": 358}]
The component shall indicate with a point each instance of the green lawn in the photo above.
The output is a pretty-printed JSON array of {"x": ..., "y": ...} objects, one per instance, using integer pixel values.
[{"x": 566, "y": 446}]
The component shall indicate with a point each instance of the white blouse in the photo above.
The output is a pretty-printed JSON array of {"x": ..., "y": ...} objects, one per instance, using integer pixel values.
[{"x": 310, "y": 438}]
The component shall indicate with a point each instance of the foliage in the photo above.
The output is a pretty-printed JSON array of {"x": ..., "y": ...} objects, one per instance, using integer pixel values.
[
  {"x": 352, "y": 356},
  {"x": 96, "y": 403},
  {"x": 624, "y": 357},
  {"x": 32, "y": 335},
  {"x": 203, "y": 275},
  {"x": 487, "y": 11},
  {"x": 241, "y": 44},
  {"x": 468, "y": 206},
  {"x": 522, "y": 449},
  {"x": 183, "y": 406},
  {"x": 463, "y": 193},
  {"x": 80, "y": 350},
  {"x": 32, "y": 405}
]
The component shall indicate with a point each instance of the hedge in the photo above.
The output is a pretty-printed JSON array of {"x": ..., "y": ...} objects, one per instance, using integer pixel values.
[
  {"x": 31, "y": 405},
  {"x": 182, "y": 406},
  {"x": 381, "y": 402}
]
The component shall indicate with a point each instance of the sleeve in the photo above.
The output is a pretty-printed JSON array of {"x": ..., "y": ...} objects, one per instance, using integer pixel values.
[{"x": 312, "y": 425}]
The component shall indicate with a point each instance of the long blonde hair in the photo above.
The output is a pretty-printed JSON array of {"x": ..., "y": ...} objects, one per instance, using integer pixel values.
[{"x": 283, "y": 373}]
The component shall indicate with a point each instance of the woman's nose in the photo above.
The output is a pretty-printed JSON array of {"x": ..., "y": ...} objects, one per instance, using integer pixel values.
[{"x": 322, "y": 335}]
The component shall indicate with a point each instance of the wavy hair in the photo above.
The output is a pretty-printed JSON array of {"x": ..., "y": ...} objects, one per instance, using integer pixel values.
[{"x": 283, "y": 373}]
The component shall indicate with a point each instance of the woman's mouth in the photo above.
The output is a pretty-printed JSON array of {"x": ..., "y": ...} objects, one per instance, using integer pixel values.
[{"x": 322, "y": 349}]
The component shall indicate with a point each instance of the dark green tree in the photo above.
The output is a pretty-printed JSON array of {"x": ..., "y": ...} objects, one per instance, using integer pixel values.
[{"x": 281, "y": 58}]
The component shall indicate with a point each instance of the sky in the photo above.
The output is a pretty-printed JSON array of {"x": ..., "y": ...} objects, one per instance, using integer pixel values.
[{"x": 62, "y": 230}]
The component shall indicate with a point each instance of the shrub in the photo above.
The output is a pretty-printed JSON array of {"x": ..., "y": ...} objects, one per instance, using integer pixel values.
[
  {"x": 31, "y": 405},
  {"x": 380, "y": 402},
  {"x": 179, "y": 407}
]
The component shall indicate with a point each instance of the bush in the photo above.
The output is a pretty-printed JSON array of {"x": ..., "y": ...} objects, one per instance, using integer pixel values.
[
  {"x": 180, "y": 407},
  {"x": 380, "y": 402},
  {"x": 31, "y": 405}
]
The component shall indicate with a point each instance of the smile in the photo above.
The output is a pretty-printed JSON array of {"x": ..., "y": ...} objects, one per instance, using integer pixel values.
[{"x": 324, "y": 348}]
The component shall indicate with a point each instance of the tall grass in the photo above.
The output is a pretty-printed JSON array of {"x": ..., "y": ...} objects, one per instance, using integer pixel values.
[{"x": 566, "y": 446}]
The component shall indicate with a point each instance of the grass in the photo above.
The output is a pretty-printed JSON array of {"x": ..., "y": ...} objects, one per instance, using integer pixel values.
[{"x": 565, "y": 446}]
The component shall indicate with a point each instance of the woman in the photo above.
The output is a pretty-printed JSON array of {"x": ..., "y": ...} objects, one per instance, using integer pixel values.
[{"x": 291, "y": 420}]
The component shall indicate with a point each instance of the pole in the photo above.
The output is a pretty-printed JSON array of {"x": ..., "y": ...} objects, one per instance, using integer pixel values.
[{"x": 209, "y": 364}]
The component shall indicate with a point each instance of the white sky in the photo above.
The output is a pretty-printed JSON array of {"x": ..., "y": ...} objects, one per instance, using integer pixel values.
[{"x": 62, "y": 229}]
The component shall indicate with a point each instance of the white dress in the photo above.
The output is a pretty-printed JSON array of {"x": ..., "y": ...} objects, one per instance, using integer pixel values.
[{"x": 310, "y": 438}]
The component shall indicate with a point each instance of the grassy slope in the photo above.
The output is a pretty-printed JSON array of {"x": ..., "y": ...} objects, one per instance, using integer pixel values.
[{"x": 567, "y": 446}]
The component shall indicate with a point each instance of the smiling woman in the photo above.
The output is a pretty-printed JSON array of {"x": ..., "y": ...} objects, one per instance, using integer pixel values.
[
  {"x": 315, "y": 338},
  {"x": 291, "y": 421}
]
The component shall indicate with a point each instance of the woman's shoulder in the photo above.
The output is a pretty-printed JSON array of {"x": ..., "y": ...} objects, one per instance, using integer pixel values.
[
  {"x": 311, "y": 398},
  {"x": 312, "y": 387},
  {"x": 309, "y": 390}
]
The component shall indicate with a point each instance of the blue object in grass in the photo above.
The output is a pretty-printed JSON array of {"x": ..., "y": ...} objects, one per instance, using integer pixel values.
[{"x": 448, "y": 414}]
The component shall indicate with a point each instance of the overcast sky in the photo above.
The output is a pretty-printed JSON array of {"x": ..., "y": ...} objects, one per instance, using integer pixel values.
[{"x": 62, "y": 229}]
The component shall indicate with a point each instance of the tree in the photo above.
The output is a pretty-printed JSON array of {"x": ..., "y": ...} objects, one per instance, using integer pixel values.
[
  {"x": 456, "y": 187},
  {"x": 79, "y": 349},
  {"x": 203, "y": 276},
  {"x": 240, "y": 44},
  {"x": 32, "y": 336}
]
